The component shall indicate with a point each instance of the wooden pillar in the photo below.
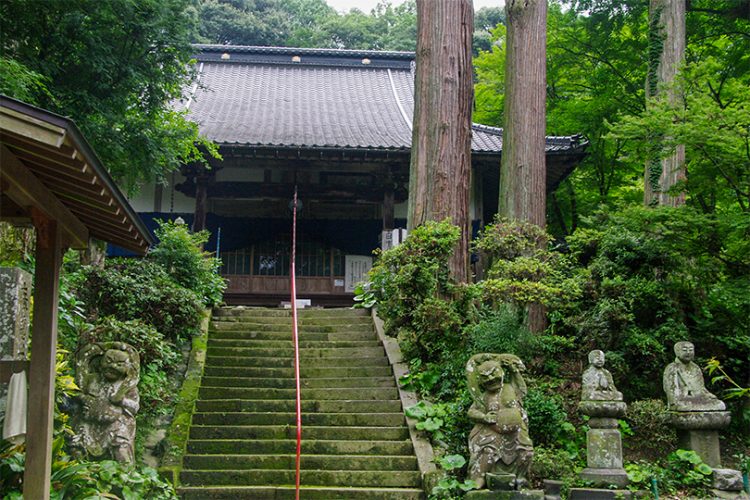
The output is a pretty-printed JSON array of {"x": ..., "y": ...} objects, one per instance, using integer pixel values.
[
  {"x": 40, "y": 417},
  {"x": 201, "y": 200},
  {"x": 388, "y": 208}
]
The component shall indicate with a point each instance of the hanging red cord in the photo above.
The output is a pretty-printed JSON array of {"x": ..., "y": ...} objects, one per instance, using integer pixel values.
[{"x": 295, "y": 337}]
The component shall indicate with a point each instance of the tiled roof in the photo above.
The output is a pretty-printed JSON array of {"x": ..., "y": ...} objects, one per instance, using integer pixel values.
[{"x": 315, "y": 98}]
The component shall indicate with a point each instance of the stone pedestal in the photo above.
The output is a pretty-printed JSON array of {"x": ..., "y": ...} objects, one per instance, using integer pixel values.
[
  {"x": 505, "y": 495},
  {"x": 699, "y": 431},
  {"x": 599, "y": 494},
  {"x": 604, "y": 443}
]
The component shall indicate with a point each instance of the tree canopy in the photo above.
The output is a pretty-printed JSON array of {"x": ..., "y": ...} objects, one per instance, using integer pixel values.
[{"x": 115, "y": 68}]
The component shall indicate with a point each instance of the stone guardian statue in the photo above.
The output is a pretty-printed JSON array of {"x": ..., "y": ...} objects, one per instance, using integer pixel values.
[
  {"x": 107, "y": 374},
  {"x": 499, "y": 444}
]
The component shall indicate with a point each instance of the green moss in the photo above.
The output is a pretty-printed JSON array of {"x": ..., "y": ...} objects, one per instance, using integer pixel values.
[{"x": 179, "y": 430}]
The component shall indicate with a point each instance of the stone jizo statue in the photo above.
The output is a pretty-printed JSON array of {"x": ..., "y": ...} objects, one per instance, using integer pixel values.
[
  {"x": 107, "y": 374},
  {"x": 499, "y": 444},
  {"x": 597, "y": 381},
  {"x": 684, "y": 385}
]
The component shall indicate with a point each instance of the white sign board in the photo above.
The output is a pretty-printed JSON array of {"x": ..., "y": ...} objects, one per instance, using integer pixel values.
[
  {"x": 392, "y": 238},
  {"x": 356, "y": 267}
]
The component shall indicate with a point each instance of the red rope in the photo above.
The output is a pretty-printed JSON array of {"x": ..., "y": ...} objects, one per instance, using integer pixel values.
[{"x": 295, "y": 337}]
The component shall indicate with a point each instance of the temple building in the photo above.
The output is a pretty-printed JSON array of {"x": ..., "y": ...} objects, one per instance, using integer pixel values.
[{"x": 338, "y": 125}]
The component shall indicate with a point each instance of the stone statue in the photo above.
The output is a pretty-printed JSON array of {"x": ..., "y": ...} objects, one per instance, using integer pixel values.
[
  {"x": 597, "y": 381},
  {"x": 499, "y": 444},
  {"x": 107, "y": 374},
  {"x": 684, "y": 385},
  {"x": 603, "y": 404}
]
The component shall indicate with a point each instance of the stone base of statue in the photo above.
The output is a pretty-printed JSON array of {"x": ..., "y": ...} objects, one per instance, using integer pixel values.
[
  {"x": 604, "y": 444},
  {"x": 505, "y": 495},
  {"x": 600, "y": 494},
  {"x": 699, "y": 431},
  {"x": 727, "y": 483}
]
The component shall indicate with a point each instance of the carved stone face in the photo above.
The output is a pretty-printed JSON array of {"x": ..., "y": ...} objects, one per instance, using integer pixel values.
[
  {"x": 685, "y": 351},
  {"x": 115, "y": 365},
  {"x": 490, "y": 375},
  {"x": 597, "y": 358}
]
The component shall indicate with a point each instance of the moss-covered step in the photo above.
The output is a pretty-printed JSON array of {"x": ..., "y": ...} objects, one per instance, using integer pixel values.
[
  {"x": 288, "y": 406},
  {"x": 309, "y": 446},
  {"x": 305, "y": 371},
  {"x": 302, "y": 320},
  {"x": 287, "y": 343},
  {"x": 378, "y": 394},
  {"x": 290, "y": 432},
  {"x": 287, "y": 335},
  {"x": 289, "y": 383},
  {"x": 308, "y": 462},
  {"x": 326, "y": 419},
  {"x": 309, "y": 477},
  {"x": 287, "y": 327},
  {"x": 287, "y": 492},
  {"x": 326, "y": 352},
  {"x": 282, "y": 362}
]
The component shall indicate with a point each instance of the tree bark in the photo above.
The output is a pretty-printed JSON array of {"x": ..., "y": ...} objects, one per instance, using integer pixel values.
[
  {"x": 440, "y": 169},
  {"x": 523, "y": 173},
  {"x": 666, "y": 55}
]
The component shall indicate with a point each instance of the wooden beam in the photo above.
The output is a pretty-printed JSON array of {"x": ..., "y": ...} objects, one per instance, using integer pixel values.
[
  {"x": 388, "y": 208},
  {"x": 28, "y": 126},
  {"x": 27, "y": 191},
  {"x": 40, "y": 416}
]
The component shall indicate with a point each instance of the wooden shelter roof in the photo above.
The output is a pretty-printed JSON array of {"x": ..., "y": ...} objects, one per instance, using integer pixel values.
[{"x": 46, "y": 163}]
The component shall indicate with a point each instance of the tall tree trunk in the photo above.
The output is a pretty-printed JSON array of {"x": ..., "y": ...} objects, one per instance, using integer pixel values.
[
  {"x": 523, "y": 174},
  {"x": 666, "y": 55},
  {"x": 440, "y": 167}
]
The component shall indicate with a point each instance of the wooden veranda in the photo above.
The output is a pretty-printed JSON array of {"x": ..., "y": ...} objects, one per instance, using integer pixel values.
[{"x": 51, "y": 178}]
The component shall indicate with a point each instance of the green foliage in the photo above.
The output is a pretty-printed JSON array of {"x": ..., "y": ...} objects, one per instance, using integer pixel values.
[
  {"x": 522, "y": 270},
  {"x": 651, "y": 432},
  {"x": 548, "y": 422},
  {"x": 683, "y": 471},
  {"x": 115, "y": 68},
  {"x": 131, "y": 289},
  {"x": 80, "y": 479},
  {"x": 146, "y": 339},
  {"x": 307, "y": 23},
  {"x": 415, "y": 295},
  {"x": 552, "y": 463},
  {"x": 180, "y": 252},
  {"x": 652, "y": 277}
]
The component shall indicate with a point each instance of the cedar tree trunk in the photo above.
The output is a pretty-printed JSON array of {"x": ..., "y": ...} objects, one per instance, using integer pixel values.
[
  {"x": 666, "y": 55},
  {"x": 523, "y": 174},
  {"x": 440, "y": 167}
]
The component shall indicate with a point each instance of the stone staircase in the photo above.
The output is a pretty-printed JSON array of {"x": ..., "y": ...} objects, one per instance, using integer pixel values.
[{"x": 355, "y": 443}]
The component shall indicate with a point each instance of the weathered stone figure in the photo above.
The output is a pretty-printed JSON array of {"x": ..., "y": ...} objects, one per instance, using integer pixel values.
[
  {"x": 597, "y": 381},
  {"x": 684, "y": 385},
  {"x": 603, "y": 403},
  {"x": 499, "y": 444},
  {"x": 108, "y": 374}
]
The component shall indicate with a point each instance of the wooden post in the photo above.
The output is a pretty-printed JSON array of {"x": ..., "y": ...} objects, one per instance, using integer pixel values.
[
  {"x": 40, "y": 417},
  {"x": 201, "y": 199},
  {"x": 388, "y": 210}
]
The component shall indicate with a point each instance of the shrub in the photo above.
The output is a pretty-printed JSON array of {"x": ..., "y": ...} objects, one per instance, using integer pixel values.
[
  {"x": 147, "y": 340},
  {"x": 551, "y": 463},
  {"x": 651, "y": 432},
  {"x": 548, "y": 421},
  {"x": 180, "y": 252},
  {"x": 130, "y": 289}
]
